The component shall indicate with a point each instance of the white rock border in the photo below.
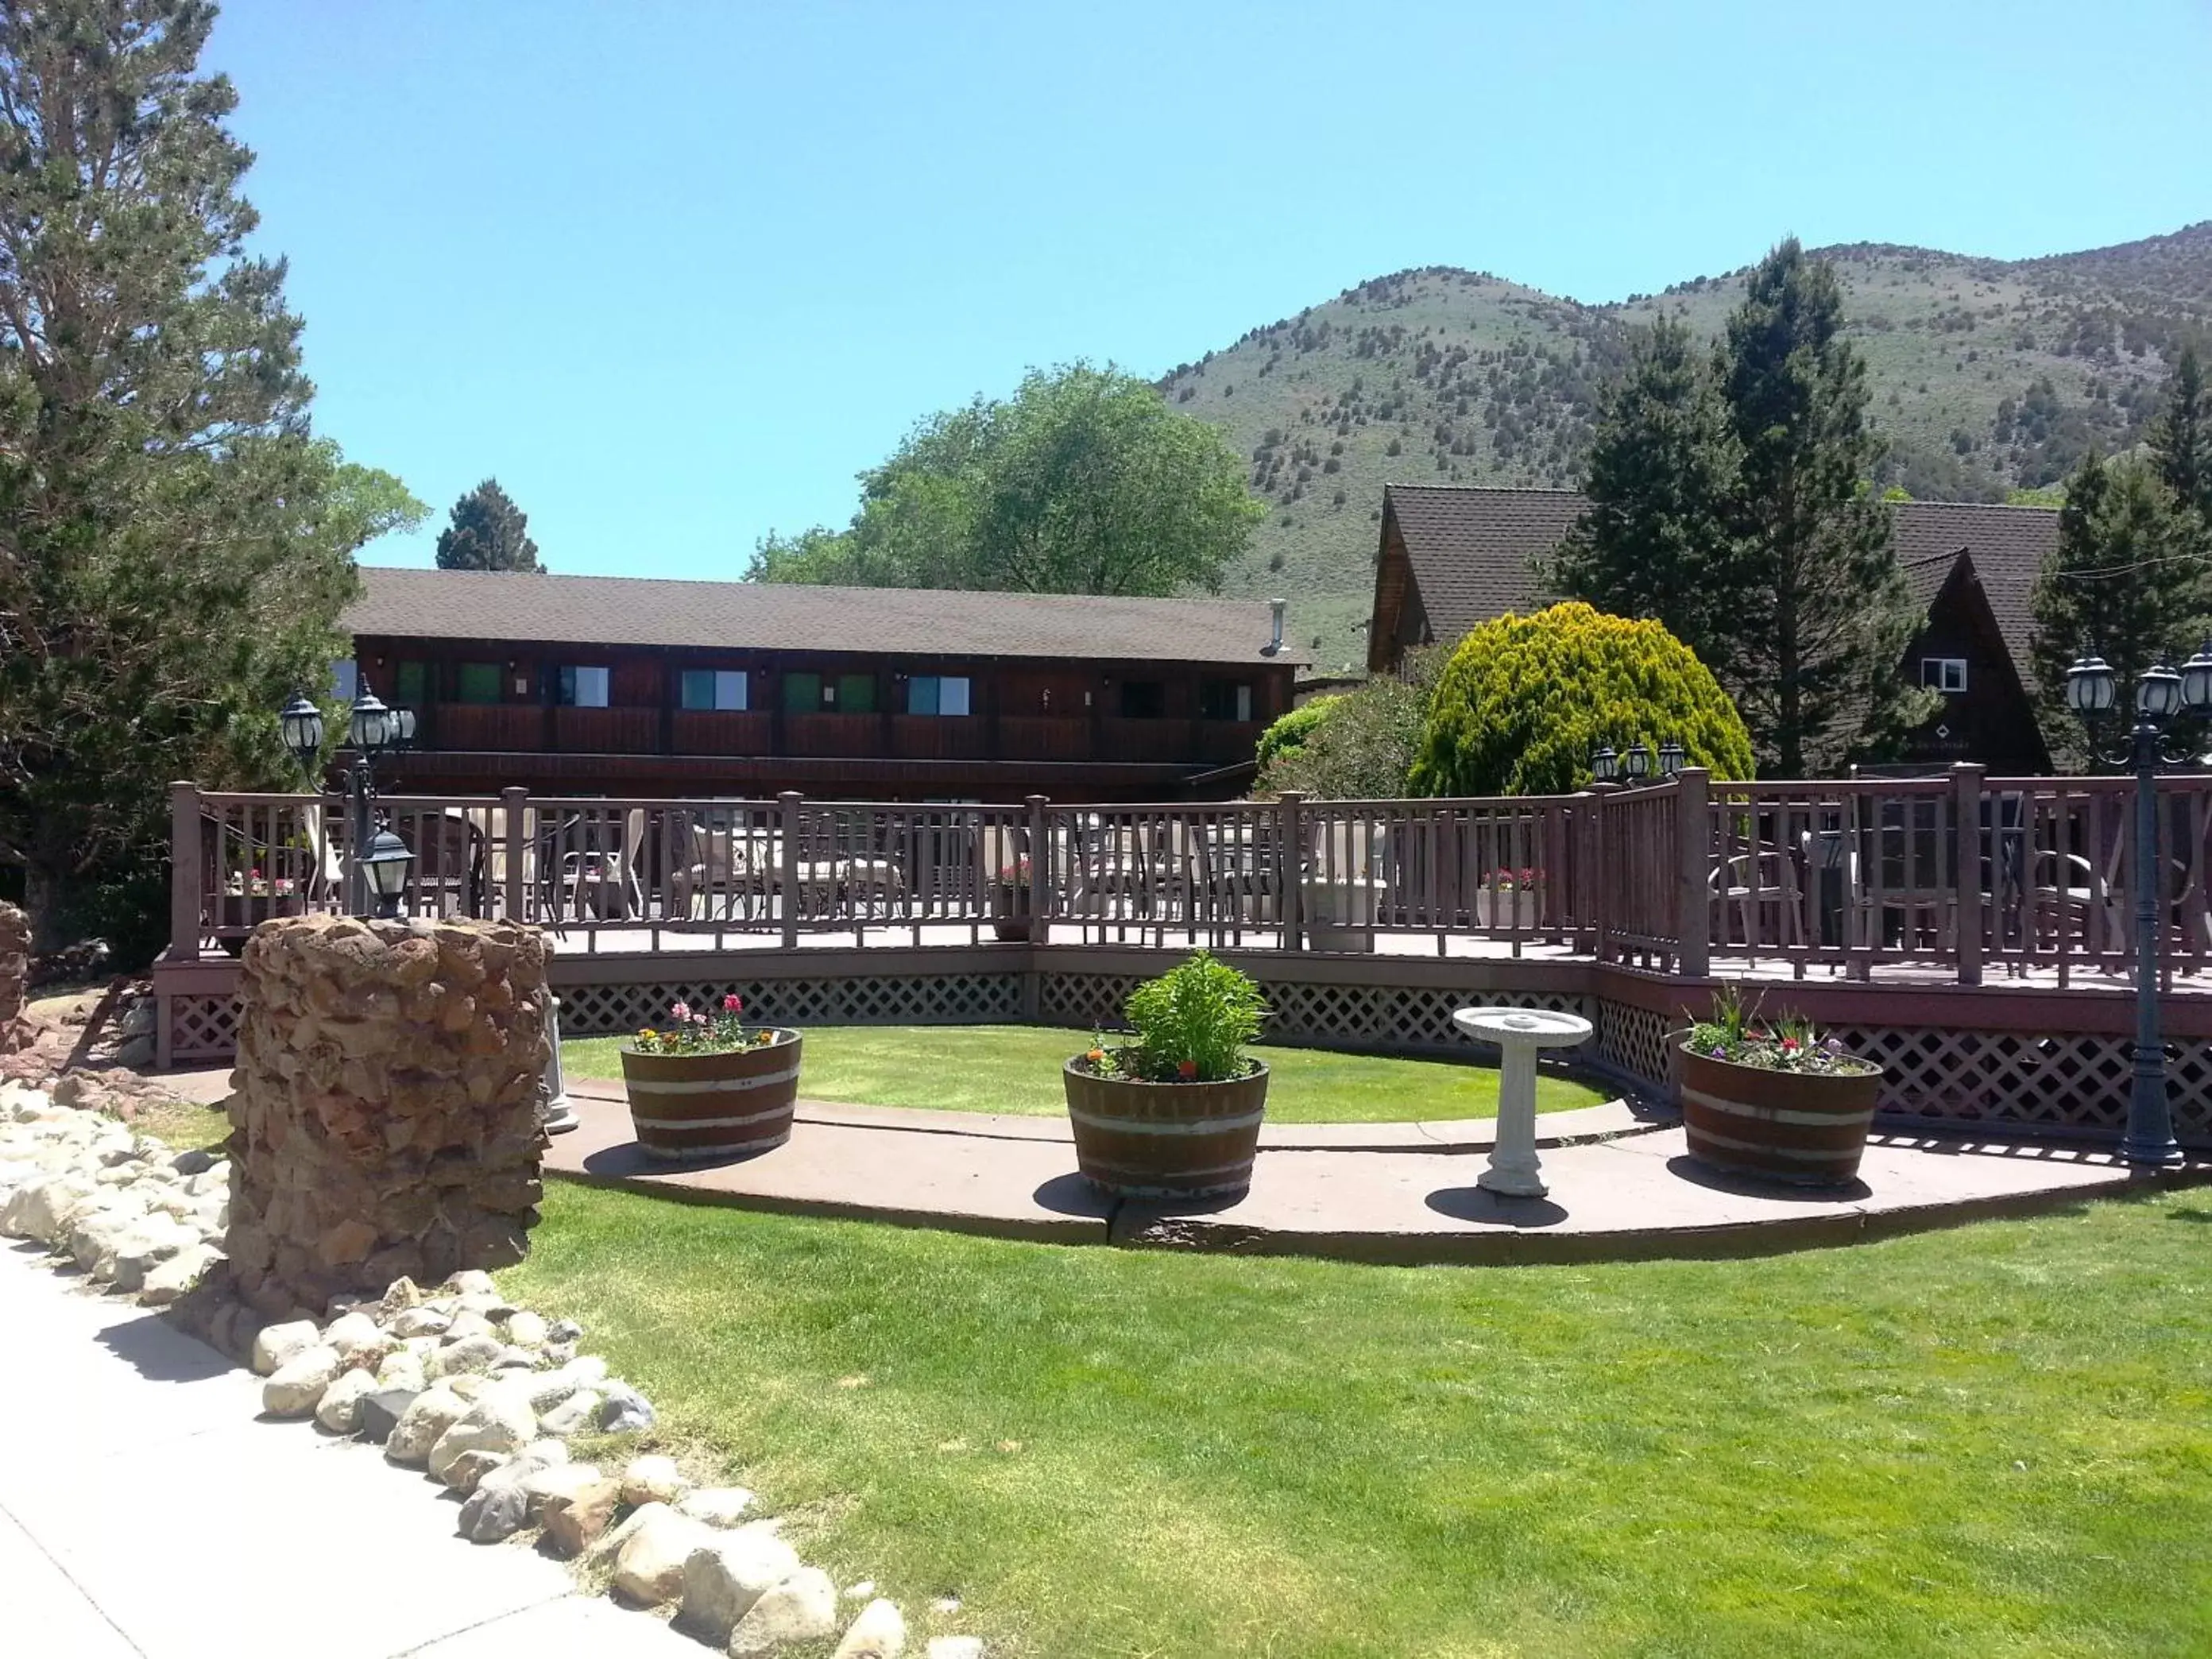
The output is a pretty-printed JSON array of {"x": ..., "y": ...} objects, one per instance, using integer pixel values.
[{"x": 455, "y": 1380}]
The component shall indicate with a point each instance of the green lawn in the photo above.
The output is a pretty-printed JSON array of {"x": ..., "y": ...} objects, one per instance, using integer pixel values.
[
  {"x": 183, "y": 1124},
  {"x": 1996, "y": 1441},
  {"x": 1015, "y": 1068}
]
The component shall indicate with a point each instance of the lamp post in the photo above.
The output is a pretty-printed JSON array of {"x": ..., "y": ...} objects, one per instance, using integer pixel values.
[
  {"x": 1634, "y": 766},
  {"x": 376, "y": 865},
  {"x": 2161, "y": 695}
]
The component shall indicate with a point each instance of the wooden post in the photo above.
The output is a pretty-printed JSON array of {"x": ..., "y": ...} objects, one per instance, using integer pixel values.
[
  {"x": 514, "y": 804},
  {"x": 1040, "y": 883},
  {"x": 787, "y": 816},
  {"x": 185, "y": 907},
  {"x": 1966, "y": 865},
  {"x": 1694, "y": 918},
  {"x": 1291, "y": 868}
]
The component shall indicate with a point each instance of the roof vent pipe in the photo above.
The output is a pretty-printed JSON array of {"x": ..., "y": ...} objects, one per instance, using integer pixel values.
[{"x": 1274, "y": 645}]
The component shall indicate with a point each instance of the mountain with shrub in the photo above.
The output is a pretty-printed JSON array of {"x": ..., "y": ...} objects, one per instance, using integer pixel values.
[{"x": 1989, "y": 376}]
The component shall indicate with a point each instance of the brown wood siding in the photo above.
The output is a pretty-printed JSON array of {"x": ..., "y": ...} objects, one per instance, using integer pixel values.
[{"x": 701, "y": 732}]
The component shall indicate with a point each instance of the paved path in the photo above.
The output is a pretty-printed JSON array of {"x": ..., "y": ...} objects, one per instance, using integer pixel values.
[
  {"x": 1389, "y": 1194},
  {"x": 145, "y": 1512}
]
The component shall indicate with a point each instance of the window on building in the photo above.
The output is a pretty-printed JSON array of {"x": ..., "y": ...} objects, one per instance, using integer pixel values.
[
  {"x": 411, "y": 685},
  {"x": 936, "y": 694},
  {"x": 1224, "y": 700},
  {"x": 345, "y": 679},
  {"x": 473, "y": 682},
  {"x": 583, "y": 688},
  {"x": 1143, "y": 700},
  {"x": 802, "y": 694},
  {"x": 1944, "y": 674},
  {"x": 722, "y": 689},
  {"x": 856, "y": 694}
]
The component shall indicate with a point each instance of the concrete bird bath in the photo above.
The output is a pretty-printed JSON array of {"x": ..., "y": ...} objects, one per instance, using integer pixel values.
[{"x": 1514, "y": 1170}]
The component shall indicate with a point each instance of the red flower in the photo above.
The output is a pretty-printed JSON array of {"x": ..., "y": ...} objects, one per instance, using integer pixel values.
[
  {"x": 733, "y": 1005},
  {"x": 1188, "y": 1070}
]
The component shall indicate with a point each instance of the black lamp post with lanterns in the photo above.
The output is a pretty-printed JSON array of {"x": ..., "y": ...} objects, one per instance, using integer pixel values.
[
  {"x": 2162, "y": 696},
  {"x": 376, "y": 863},
  {"x": 1634, "y": 766}
]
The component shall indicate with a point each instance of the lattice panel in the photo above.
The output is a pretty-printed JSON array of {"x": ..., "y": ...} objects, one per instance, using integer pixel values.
[
  {"x": 860, "y": 1000},
  {"x": 202, "y": 1028},
  {"x": 1083, "y": 1000},
  {"x": 2073, "y": 1082},
  {"x": 1633, "y": 1042}
]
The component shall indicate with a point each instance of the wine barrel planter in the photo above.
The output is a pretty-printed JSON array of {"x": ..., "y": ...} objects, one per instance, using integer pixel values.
[
  {"x": 1173, "y": 1141},
  {"x": 726, "y": 1105},
  {"x": 1800, "y": 1127}
]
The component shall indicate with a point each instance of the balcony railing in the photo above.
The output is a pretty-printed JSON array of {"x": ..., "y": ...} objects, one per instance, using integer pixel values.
[{"x": 1961, "y": 875}]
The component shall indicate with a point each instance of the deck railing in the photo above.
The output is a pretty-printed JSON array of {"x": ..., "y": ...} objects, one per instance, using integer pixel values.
[{"x": 1961, "y": 872}]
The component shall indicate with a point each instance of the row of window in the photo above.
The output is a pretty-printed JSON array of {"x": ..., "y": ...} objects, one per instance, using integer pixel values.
[{"x": 729, "y": 690}]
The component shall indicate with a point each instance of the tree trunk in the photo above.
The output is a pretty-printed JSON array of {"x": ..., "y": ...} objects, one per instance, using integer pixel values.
[{"x": 46, "y": 898}]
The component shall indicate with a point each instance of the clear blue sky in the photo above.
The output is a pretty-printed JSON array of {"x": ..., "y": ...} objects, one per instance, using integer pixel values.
[{"x": 675, "y": 272}]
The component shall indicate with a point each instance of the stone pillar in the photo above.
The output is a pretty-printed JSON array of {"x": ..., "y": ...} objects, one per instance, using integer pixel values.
[
  {"x": 14, "y": 972},
  {"x": 385, "y": 1105}
]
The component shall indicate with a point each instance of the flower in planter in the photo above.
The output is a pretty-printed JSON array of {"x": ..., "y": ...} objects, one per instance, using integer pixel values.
[
  {"x": 695, "y": 1031},
  {"x": 1735, "y": 1033},
  {"x": 1191, "y": 1025}
]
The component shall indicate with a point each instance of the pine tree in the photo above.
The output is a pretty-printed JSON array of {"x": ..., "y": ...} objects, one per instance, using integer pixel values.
[
  {"x": 488, "y": 531},
  {"x": 2180, "y": 437},
  {"x": 1657, "y": 541},
  {"x": 1819, "y": 616},
  {"x": 2122, "y": 583},
  {"x": 173, "y": 560}
]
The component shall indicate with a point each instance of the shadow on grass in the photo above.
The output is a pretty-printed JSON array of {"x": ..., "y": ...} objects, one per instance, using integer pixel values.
[{"x": 2200, "y": 1216}]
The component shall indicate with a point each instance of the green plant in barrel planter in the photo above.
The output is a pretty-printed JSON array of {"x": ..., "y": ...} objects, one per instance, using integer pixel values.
[
  {"x": 706, "y": 1085},
  {"x": 1775, "y": 1100},
  {"x": 1176, "y": 1112}
]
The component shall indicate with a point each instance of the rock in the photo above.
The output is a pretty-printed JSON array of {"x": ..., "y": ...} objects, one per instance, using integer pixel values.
[
  {"x": 512, "y": 1359},
  {"x": 177, "y": 1275},
  {"x": 471, "y": 1281},
  {"x": 716, "y": 1506},
  {"x": 526, "y": 1329},
  {"x": 624, "y": 1410},
  {"x": 550, "y": 1389},
  {"x": 213, "y": 1182},
  {"x": 547, "y": 1452},
  {"x": 956, "y": 1647},
  {"x": 144, "y": 1248},
  {"x": 44, "y": 1210},
  {"x": 564, "y": 1330},
  {"x": 500, "y": 1422},
  {"x": 880, "y": 1632},
  {"x": 726, "y": 1572},
  {"x": 419, "y": 1321},
  {"x": 575, "y": 1512},
  {"x": 401, "y": 1369},
  {"x": 802, "y": 1607},
  {"x": 339, "y": 1409},
  {"x": 356, "y": 1334},
  {"x": 493, "y": 1511},
  {"x": 428, "y": 1416},
  {"x": 400, "y": 1295},
  {"x": 278, "y": 1343},
  {"x": 192, "y": 1161},
  {"x": 465, "y": 1473},
  {"x": 579, "y": 1411},
  {"x": 467, "y": 1323},
  {"x": 653, "y": 1480},
  {"x": 469, "y": 1385},
  {"x": 95, "y": 1233},
  {"x": 470, "y": 1353},
  {"x": 650, "y": 1567},
  {"x": 380, "y": 1412},
  {"x": 297, "y": 1386}
]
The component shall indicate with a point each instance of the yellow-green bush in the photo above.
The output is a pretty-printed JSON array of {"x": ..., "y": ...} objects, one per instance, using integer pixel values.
[
  {"x": 1289, "y": 731},
  {"x": 1525, "y": 699}
]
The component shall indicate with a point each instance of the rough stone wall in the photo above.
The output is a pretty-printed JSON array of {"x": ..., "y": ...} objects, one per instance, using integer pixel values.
[
  {"x": 14, "y": 972},
  {"x": 385, "y": 1105}
]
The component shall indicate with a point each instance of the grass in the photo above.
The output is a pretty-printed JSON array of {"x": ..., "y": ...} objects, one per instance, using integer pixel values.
[
  {"x": 183, "y": 1125},
  {"x": 1015, "y": 1068},
  {"x": 1996, "y": 1441}
]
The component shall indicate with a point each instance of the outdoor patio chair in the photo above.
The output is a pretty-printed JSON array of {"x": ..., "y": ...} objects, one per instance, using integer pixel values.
[{"x": 1757, "y": 884}]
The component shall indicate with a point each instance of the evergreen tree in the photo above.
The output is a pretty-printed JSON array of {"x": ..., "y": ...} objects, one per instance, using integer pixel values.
[
  {"x": 2180, "y": 437},
  {"x": 1657, "y": 541},
  {"x": 2123, "y": 583},
  {"x": 1816, "y": 622},
  {"x": 488, "y": 532},
  {"x": 173, "y": 545}
]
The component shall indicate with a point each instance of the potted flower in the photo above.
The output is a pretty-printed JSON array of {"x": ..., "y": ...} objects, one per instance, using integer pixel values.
[
  {"x": 1775, "y": 1100},
  {"x": 1175, "y": 1112},
  {"x": 1509, "y": 898},
  {"x": 708, "y": 1085},
  {"x": 1009, "y": 910}
]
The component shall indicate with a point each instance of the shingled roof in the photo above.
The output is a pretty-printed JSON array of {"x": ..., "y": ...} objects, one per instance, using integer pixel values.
[
  {"x": 475, "y": 604},
  {"x": 1472, "y": 550}
]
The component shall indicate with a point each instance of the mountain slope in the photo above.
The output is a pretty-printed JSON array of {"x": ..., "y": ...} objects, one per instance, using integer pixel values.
[{"x": 1986, "y": 375}]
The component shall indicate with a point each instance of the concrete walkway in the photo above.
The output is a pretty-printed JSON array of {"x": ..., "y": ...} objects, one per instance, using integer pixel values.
[
  {"x": 1621, "y": 1189},
  {"x": 144, "y": 1511}
]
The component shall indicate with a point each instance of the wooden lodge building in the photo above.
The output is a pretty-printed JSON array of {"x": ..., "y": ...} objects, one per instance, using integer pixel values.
[
  {"x": 1452, "y": 557},
  {"x": 621, "y": 686}
]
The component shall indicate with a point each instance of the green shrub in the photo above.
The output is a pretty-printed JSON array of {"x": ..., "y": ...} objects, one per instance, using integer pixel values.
[
  {"x": 1524, "y": 700},
  {"x": 1291, "y": 730},
  {"x": 1192, "y": 1022}
]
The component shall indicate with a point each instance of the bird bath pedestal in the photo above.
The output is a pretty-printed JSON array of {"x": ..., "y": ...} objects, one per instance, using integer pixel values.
[{"x": 1513, "y": 1170}]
